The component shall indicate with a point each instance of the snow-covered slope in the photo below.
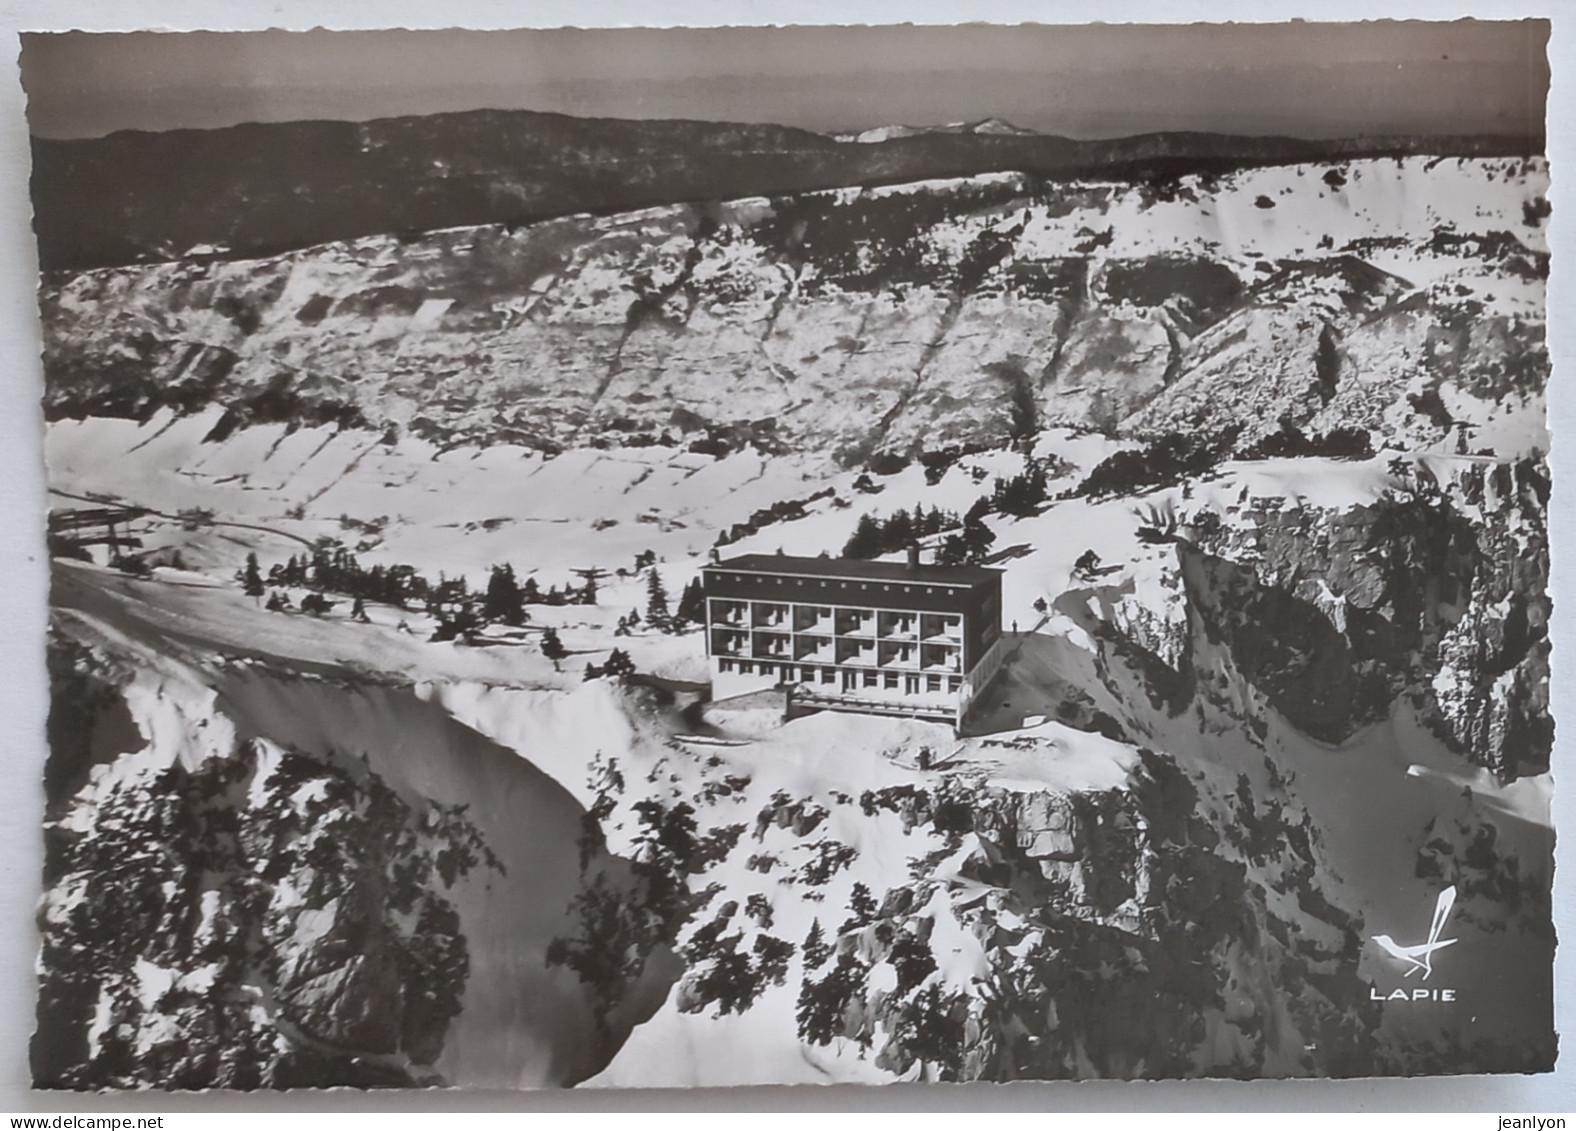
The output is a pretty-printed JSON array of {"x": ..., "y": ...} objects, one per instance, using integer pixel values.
[{"x": 336, "y": 882}]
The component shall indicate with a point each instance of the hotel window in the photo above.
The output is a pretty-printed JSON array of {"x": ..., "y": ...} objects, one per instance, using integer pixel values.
[
  {"x": 870, "y": 679},
  {"x": 746, "y": 668},
  {"x": 890, "y": 681},
  {"x": 767, "y": 669},
  {"x": 954, "y": 684},
  {"x": 828, "y": 675},
  {"x": 725, "y": 665},
  {"x": 933, "y": 683}
]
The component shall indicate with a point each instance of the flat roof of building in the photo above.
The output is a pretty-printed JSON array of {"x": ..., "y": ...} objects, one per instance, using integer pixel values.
[{"x": 857, "y": 569}]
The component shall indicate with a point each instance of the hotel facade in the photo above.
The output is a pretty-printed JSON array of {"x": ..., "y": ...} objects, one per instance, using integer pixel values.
[{"x": 842, "y": 634}]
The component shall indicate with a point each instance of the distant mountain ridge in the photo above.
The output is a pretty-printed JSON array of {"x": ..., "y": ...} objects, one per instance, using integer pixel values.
[
  {"x": 990, "y": 126},
  {"x": 261, "y": 189}
]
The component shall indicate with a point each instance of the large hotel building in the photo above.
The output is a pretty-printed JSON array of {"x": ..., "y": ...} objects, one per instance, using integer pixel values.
[{"x": 880, "y": 637}]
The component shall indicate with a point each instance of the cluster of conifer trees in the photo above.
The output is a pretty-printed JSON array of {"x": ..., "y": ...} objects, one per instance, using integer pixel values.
[
  {"x": 336, "y": 570},
  {"x": 874, "y": 535},
  {"x": 458, "y": 608},
  {"x": 1020, "y": 495},
  {"x": 659, "y": 615}
]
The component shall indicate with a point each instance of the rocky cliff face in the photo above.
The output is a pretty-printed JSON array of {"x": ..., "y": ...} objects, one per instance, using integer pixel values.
[
  {"x": 1403, "y": 296},
  {"x": 994, "y": 921},
  {"x": 1145, "y": 931},
  {"x": 1434, "y": 595}
]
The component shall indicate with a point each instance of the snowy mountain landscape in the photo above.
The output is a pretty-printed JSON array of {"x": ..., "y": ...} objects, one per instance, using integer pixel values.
[{"x": 384, "y": 750}]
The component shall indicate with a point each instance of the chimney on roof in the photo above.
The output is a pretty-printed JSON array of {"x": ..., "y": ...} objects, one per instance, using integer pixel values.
[{"x": 913, "y": 556}]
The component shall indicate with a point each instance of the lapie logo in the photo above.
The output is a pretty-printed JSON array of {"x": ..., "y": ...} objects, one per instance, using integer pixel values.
[{"x": 1419, "y": 959}]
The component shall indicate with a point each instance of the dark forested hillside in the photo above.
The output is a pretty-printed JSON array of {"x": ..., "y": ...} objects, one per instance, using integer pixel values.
[{"x": 257, "y": 189}]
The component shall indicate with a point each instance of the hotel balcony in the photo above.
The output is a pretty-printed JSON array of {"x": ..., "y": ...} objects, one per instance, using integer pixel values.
[
  {"x": 729, "y": 642},
  {"x": 856, "y": 622},
  {"x": 893, "y": 654},
  {"x": 765, "y": 614},
  {"x": 725, "y": 612},
  {"x": 897, "y": 626},
  {"x": 769, "y": 646},
  {"x": 813, "y": 619},
  {"x": 856, "y": 652},
  {"x": 817, "y": 649},
  {"x": 940, "y": 658},
  {"x": 941, "y": 627}
]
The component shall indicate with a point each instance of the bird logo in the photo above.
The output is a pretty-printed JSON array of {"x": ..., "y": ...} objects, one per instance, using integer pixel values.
[{"x": 1420, "y": 958}]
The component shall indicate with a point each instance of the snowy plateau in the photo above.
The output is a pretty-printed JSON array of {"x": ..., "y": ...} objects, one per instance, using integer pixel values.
[{"x": 1260, "y": 453}]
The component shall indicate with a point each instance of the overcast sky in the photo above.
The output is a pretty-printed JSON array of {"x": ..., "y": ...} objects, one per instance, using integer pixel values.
[{"x": 1302, "y": 79}]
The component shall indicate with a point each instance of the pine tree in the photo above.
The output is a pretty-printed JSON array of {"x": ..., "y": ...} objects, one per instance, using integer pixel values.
[
  {"x": 502, "y": 602},
  {"x": 973, "y": 542},
  {"x": 862, "y": 908},
  {"x": 816, "y": 950},
  {"x": 252, "y": 578},
  {"x": 1023, "y": 493},
  {"x": 823, "y": 1006},
  {"x": 656, "y": 600},
  {"x": 865, "y": 542},
  {"x": 692, "y": 603},
  {"x": 552, "y": 647},
  {"x": 896, "y": 532}
]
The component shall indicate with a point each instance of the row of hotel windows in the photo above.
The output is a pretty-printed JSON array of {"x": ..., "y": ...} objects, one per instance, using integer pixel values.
[
  {"x": 839, "y": 650},
  {"x": 843, "y": 621},
  {"x": 865, "y": 585},
  {"x": 796, "y": 673}
]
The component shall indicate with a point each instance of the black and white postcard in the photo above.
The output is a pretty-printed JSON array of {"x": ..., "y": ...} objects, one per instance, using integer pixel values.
[{"x": 691, "y": 557}]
